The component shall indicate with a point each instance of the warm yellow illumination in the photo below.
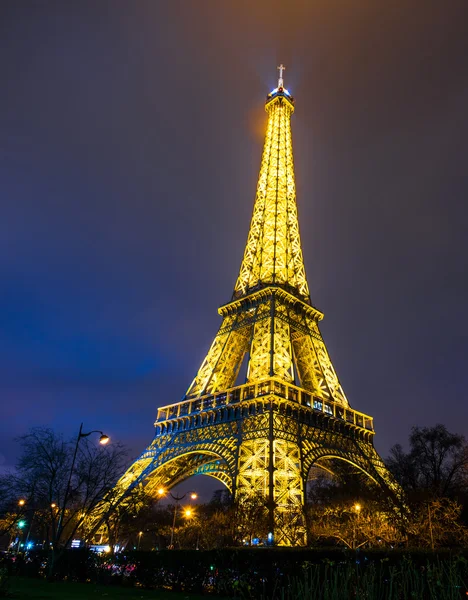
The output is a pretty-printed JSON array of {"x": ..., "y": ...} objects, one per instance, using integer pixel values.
[
  {"x": 262, "y": 438},
  {"x": 273, "y": 252},
  {"x": 104, "y": 439},
  {"x": 107, "y": 549},
  {"x": 270, "y": 337},
  {"x": 53, "y": 505},
  {"x": 21, "y": 502}
]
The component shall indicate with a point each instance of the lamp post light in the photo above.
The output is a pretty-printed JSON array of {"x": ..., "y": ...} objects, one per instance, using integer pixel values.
[
  {"x": 20, "y": 526},
  {"x": 357, "y": 507},
  {"x": 139, "y": 539},
  {"x": 177, "y": 499},
  {"x": 103, "y": 440}
]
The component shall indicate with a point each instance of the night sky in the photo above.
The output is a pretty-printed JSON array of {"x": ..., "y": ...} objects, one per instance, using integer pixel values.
[{"x": 130, "y": 143}]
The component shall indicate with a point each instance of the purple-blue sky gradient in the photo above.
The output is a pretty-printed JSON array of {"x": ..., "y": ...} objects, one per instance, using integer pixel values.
[{"x": 130, "y": 142}]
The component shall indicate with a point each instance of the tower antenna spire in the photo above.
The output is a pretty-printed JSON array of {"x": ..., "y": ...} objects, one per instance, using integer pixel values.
[{"x": 281, "y": 68}]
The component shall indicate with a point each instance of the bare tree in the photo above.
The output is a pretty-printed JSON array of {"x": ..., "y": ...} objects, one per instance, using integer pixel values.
[
  {"x": 436, "y": 524},
  {"x": 44, "y": 479},
  {"x": 353, "y": 525},
  {"x": 436, "y": 465},
  {"x": 249, "y": 518},
  {"x": 124, "y": 520}
]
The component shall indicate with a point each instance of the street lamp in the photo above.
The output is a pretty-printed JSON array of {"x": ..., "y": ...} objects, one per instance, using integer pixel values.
[
  {"x": 20, "y": 526},
  {"x": 187, "y": 512},
  {"x": 103, "y": 440},
  {"x": 21, "y": 502},
  {"x": 139, "y": 539},
  {"x": 357, "y": 507}
]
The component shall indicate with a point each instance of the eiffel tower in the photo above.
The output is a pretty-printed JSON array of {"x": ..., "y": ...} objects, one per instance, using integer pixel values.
[{"x": 262, "y": 437}]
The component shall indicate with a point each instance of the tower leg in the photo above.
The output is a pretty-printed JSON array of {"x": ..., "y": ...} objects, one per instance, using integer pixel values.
[
  {"x": 271, "y": 483},
  {"x": 270, "y": 472}
]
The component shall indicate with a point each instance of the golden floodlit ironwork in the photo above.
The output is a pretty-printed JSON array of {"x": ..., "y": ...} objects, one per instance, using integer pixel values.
[{"x": 262, "y": 437}]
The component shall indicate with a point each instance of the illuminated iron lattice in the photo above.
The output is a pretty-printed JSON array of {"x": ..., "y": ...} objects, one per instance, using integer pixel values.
[{"x": 262, "y": 437}]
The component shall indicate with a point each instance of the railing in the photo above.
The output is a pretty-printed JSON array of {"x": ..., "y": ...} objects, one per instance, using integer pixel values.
[{"x": 248, "y": 391}]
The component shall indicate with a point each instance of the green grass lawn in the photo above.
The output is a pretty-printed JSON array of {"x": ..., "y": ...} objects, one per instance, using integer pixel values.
[{"x": 38, "y": 589}]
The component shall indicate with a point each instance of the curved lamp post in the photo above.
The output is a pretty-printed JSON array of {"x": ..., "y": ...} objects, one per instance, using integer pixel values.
[
  {"x": 193, "y": 496},
  {"x": 104, "y": 439}
]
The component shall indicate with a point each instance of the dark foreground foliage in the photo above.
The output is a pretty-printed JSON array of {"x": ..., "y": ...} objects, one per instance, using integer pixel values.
[
  {"x": 268, "y": 574},
  {"x": 25, "y": 588}
]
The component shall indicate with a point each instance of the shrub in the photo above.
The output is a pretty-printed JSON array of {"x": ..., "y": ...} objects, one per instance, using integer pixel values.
[{"x": 4, "y": 582}]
